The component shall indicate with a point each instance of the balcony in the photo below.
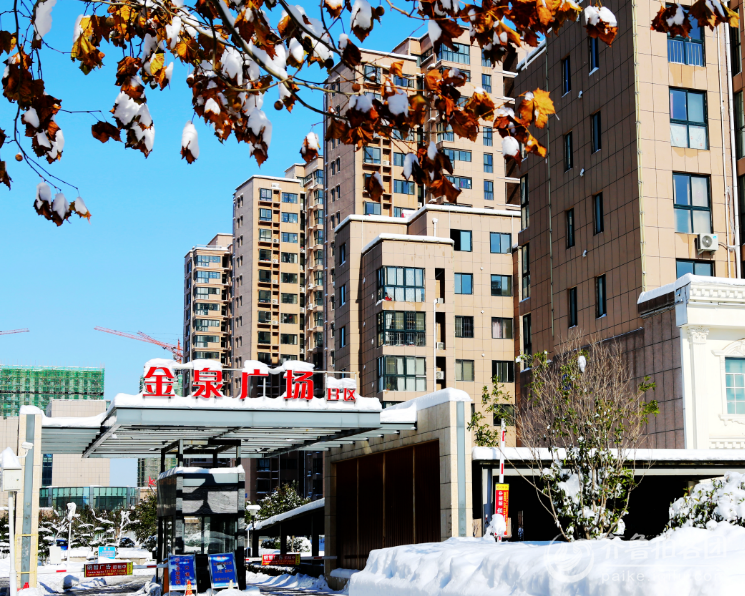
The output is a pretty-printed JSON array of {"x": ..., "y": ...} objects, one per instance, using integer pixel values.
[{"x": 402, "y": 338}]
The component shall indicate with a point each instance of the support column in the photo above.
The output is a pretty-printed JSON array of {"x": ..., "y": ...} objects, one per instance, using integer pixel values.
[
  {"x": 27, "y": 500},
  {"x": 282, "y": 540},
  {"x": 180, "y": 455},
  {"x": 699, "y": 435},
  {"x": 314, "y": 537}
]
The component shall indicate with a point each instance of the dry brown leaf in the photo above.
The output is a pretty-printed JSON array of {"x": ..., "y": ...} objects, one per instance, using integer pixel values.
[{"x": 103, "y": 131}]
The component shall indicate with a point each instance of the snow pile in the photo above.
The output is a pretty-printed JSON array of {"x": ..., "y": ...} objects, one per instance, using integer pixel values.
[
  {"x": 686, "y": 562},
  {"x": 190, "y": 140},
  {"x": 296, "y": 582},
  {"x": 361, "y": 15},
  {"x": 270, "y": 521},
  {"x": 678, "y": 17},
  {"x": 398, "y": 104},
  {"x": 434, "y": 30},
  {"x": 711, "y": 502},
  {"x": 409, "y": 160},
  {"x": 345, "y": 383},
  {"x": 593, "y": 16},
  {"x": 406, "y": 411},
  {"x": 343, "y": 37},
  {"x": 510, "y": 146},
  {"x": 361, "y": 103},
  {"x": 9, "y": 460},
  {"x": 43, "y": 17}
]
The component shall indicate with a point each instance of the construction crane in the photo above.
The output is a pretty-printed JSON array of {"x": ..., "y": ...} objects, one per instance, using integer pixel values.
[
  {"x": 176, "y": 350},
  {"x": 13, "y": 331}
]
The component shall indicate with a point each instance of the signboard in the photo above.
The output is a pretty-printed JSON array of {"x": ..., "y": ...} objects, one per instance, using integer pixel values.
[
  {"x": 502, "y": 502},
  {"x": 181, "y": 569},
  {"x": 107, "y": 552},
  {"x": 287, "y": 560},
  {"x": 222, "y": 571},
  {"x": 107, "y": 569}
]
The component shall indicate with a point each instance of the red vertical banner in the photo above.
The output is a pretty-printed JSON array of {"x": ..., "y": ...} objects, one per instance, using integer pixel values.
[{"x": 502, "y": 503}]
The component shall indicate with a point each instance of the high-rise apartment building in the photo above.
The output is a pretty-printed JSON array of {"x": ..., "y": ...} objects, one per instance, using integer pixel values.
[
  {"x": 22, "y": 385},
  {"x": 208, "y": 291},
  {"x": 637, "y": 190}
]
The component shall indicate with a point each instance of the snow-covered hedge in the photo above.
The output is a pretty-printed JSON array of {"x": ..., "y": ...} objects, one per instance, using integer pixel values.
[{"x": 711, "y": 502}]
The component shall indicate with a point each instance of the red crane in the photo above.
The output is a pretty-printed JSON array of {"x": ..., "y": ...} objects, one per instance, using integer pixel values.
[
  {"x": 178, "y": 354},
  {"x": 13, "y": 331}
]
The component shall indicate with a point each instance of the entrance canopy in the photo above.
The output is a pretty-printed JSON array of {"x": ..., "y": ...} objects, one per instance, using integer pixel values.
[{"x": 137, "y": 426}]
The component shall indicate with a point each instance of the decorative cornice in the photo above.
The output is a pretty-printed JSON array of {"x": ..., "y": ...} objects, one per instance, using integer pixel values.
[
  {"x": 698, "y": 334},
  {"x": 722, "y": 292}
]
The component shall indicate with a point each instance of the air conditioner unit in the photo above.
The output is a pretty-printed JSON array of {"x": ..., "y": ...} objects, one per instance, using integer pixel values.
[
  {"x": 440, "y": 375},
  {"x": 386, "y": 162},
  {"x": 440, "y": 345},
  {"x": 276, "y": 241},
  {"x": 440, "y": 301},
  {"x": 302, "y": 309},
  {"x": 275, "y": 282},
  {"x": 707, "y": 242},
  {"x": 311, "y": 306},
  {"x": 275, "y": 261},
  {"x": 275, "y": 301},
  {"x": 275, "y": 185},
  {"x": 275, "y": 322}
]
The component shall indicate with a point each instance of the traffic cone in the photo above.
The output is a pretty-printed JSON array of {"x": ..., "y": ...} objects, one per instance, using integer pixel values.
[
  {"x": 188, "y": 588},
  {"x": 25, "y": 586}
]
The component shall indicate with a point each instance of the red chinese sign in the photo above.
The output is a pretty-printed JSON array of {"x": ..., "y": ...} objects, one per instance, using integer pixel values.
[
  {"x": 159, "y": 381},
  {"x": 107, "y": 569},
  {"x": 244, "y": 381},
  {"x": 299, "y": 385},
  {"x": 502, "y": 502},
  {"x": 332, "y": 394},
  {"x": 280, "y": 559},
  {"x": 208, "y": 383}
]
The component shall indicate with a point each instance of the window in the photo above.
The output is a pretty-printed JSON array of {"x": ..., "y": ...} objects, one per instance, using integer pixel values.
[
  {"x": 289, "y": 298},
  {"x": 265, "y": 296},
  {"x": 398, "y": 159},
  {"x": 372, "y": 74},
  {"x": 333, "y": 168},
  {"x": 488, "y": 163},
  {"x": 342, "y": 253},
  {"x": 289, "y": 217},
  {"x": 601, "y": 307},
  {"x": 289, "y": 278},
  {"x": 692, "y": 205},
  {"x": 265, "y": 337},
  {"x": 457, "y": 155},
  {"x": 461, "y": 239},
  {"x": 568, "y": 152},
  {"x": 265, "y": 194},
  {"x": 409, "y": 137},
  {"x": 566, "y": 76},
  {"x": 403, "y": 284},
  {"x": 503, "y": 371},
  {"x": 594, "y": 54},
  {"x": 597, "y": 208},
  {"x": 488, "y": 137},
  {"x": 683, "y": 266},
  {"x": 403, "y": 82},
  {"x": 690, "y": 50},
  {"x": 739, "y": 125},
  {"x": 595, "y": 126},
  {"x": 461, "y": 54},
  {"x": 289, "y": 237},
  {"x": 265, "y": 235},
  {"x": 572, "y": 306},
  {"x": 464, "y": 327},
  {"x": 688, "y": 119},
  {"x": 403, "y": 187},
  {"x": 570, "y": 227},
  {"x": 401, "y": 373},
  {"x": 289, "y": 197},
  {"x": 501, "y": 285},
  {"x": 527, "y": 335},
  {"x": 524, "y": 202},
  {"x": 525, "y": 250},
  {"x": 265, "y": 357},
  {"x": 735, "y": 382},
  {"x": 265, "y": 215},
  {"x": 265, "y": 316},
  {"x": 205, "y": 276},
  {"x": 488, "y": 190},
  {"x": 501, "y": 328},
  {"x": 206, "y": 293},
  {"x": 460, "y": 181},
  {"x": 398, "y": 212},
  {"x": 265, "y": 276},
  {"x": 486, "y": 82},
  {"x": 342, "y": 295},
  {"x": 464, "y": 283},
  {"x": 342, "y": 337},
  {"x": 372, "y": 208},
  {"x": 288, "y": 339},
  {"x": 485, "y": 62},
  {"x": 464, "y": 370},
  {"x": 399, "y": 328},
  {"x": 265, "y": 254},
  {"x": 735, "y": 48},
  {"x": 289, "y": 257},
  {"x": 372, "y": 154}
]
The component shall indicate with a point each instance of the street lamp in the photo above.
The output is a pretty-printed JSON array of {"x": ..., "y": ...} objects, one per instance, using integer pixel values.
[
  {"x": 12, "y": 483},
  {"x": 252, "y": 511}
]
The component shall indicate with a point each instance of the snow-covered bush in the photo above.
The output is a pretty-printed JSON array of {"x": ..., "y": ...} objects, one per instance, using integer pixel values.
[
  {"x": 711, "y": 502},
  {"x": 295, "y": 544}
]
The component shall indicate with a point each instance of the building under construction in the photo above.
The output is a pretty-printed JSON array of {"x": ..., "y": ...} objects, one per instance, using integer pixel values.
[{"x": 38, "y": 385}]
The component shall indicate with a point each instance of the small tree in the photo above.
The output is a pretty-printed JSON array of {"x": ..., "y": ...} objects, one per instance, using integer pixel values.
[
  {"x": 52, "y": 525},
  {"x": 497, "y": 403},
  {"x": 585, "y": 414},
  {"x": 285, "y": 498},
  {"x": 4, "y": 534},
  {"x": 144, "y": 522},
  {"x": 710, "y": 503}
]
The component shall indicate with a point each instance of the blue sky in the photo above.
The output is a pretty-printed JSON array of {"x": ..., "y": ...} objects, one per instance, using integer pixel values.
[{"x": 124, "y": 269}]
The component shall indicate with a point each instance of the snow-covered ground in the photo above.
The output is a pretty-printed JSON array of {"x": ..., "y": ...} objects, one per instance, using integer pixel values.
[
  {"x": 686, "y": 562},
  {"x": 299, "y": 581}
]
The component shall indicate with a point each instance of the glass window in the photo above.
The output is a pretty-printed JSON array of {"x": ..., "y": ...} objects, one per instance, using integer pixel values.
[
  {"x": 739, "y": 125},
  {"x": 572, "y": 299},
  {"x": 524, "y": 203},
  {"x": 402, "y": 284},
  {"x": 501, "y": 285},
  {"x": 464, "y": 370},
  {"x": 525, "y": 250},
  {"x": 464, "y": 283},
  {"x": 265, "y": 254},
  {"x": 688, "y": 119},
  {"x": 464, "y": 327},
  {"x": 289, "y": 237},
  {"x": 289, "y": 257},
  {"x": 461, "y": 240},
  {"x": 265, "y": 276},
  {"x": 401, "y": 328},
  {"x": 503, "y": 371},
  {"x": 288, "y": 339},
  {"x": 288, "y": 197},
  {"x": 265, "y": 235},
  {"x": 488, "y": 190},
  {"x": 372, "y": 154},
  {"x": 457, "y": 155},
  {"x": 500, "y": 243},
  {"x": 692, "y": 204},
  {"x": 735, "y": 382},
  {"x": 402, "y": 373},
  {"x": 265, "y": 215},
  {"x": 487, "y": 136},
  {"x": 403, "y": 82},
  {"x": 527, "y": 335},
  {"x": 461, "y": 54},
  {"x": 688, "y": 50},
  {"x": 566, "y": 76},
  {"x": 398, "y": 159},
  {"x": 289, "y": 278},
  {"x": 501, "y": 328},
  {"x": 372, "y": 74},
  {"x": 594, "y": 53},
  {"x": 265, "y": 194},
  {"x": 683, "y": 266},
  {"x": 372, "y": 208},
  {"x": 265, "y": 337},
  {"x": 570, "y": 227},
  {"x": 488, "y": 163},
  {"x": 460, "y": 181},
  {"x": 486, "y": 82},
  {"x": 289, "y": 217},
  {"x": 597, "y": 205},
  {"x": 265, "y": 296},
  {"x": 342, "y": 295},
  {"x": 265, "y": 316},
  {"x": 342, "y": 253},
  {"x": 485, "y": 62},
  {"x": 403, "y": 187},
  {"x": 596, "y": 129},
  {"x": 601, "y": 307},
  {"x": 735, "y": 48},
  {"x": 568, "y": 164},
  {"x": 289, "y": 298}
]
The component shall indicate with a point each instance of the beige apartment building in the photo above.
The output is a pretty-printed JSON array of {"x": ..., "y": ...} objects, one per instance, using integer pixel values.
[
  {"x": 208, "y": 290},
  {"x": 637, "y": 190}
]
